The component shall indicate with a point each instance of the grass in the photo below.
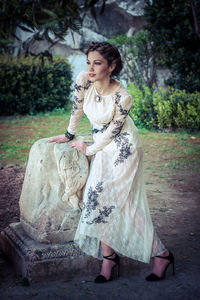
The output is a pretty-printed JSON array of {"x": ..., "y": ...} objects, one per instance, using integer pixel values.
[
  {"x": 18, "y": 134},
  {"x": 162, "y": 151}
]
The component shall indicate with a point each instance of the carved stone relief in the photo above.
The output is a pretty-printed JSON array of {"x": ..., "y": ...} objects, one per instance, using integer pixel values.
[{"x": 50, "y": 202}]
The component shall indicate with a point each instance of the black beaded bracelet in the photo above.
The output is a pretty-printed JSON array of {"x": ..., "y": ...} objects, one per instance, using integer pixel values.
[{"x": 69, "y": 135}]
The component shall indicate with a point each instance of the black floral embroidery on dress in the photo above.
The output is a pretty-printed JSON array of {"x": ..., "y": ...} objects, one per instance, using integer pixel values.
[
  {"x": 75, "y": 104},
  {"x": 116, "y": 130},
  {"x": 117, "y": 97},
  {"x": 88, "y": 83},
  {"x": 121, "y": 138},
  {"x": 117, "y": 124},
  {"x": 124, "y": 147},
  {"x": 102, "y": 215},
  {"x": 118, "y": 127},
  {"x": 92, "y": 201},
  {"x": 123, "y": 112},
  {"x": 78, "y": 87},
  {"x": 104, "y": 127},
  {"x": 124, "y": 153}
]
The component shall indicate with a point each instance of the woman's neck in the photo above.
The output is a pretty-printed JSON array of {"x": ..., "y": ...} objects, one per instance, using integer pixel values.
[{"x": 104, "y": 87}]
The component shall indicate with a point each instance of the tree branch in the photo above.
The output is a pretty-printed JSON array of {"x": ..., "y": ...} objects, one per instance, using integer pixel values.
[{"x": 196, "y": 25}]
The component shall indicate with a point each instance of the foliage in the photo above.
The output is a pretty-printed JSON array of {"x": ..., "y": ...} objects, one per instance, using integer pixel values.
[
  {"x": 175, "y": 33},
  {"x": 142, "y": 111},
  {"x": 177, "y": 108},
  {"x": 27, "y": 88},
  {"x": 42, "y": 18},
  {"x": 165, "y": 108},
  {"x": 138, "y": 57}
]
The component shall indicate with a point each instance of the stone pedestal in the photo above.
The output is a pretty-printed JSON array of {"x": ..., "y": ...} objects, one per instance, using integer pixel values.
[
  {"x": 41, "y": 246},
  {"x": 39, "y": 262},
  {"x": 43, "y": 262}
]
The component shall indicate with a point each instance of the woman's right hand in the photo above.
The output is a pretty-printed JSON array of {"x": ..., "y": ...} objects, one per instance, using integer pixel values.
[{"x": 59, "y": 139}]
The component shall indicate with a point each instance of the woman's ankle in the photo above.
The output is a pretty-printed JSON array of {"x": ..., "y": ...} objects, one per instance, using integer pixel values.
[
  {"x": 111, "y": 255},
  {"x": 165, "y": 253}
]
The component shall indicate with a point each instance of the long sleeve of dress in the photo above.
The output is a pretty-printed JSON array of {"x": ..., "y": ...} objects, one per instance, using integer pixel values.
[
  {"x": 81, "y": 84},
  {"x": 123, "y": 104}
]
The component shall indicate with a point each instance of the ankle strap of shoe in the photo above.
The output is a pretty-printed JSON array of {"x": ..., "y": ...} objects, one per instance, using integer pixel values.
[{"x": 109, "y": 255}]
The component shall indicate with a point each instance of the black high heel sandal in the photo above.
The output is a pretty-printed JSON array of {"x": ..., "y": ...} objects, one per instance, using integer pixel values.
[
  {"x": 154, "y": 277},
  {"x": 101, "y": 278}
]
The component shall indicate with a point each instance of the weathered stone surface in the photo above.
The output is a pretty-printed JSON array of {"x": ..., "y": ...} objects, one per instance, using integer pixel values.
[
  {"x": 43, "y": 262},
  {"x": 118, "y": 17},
  {"x": 133, "y": 7},
  {"x": 50, "y": 202},
  {"x": 39, "y": 262},
  {"x": 114, "y": 20},
  {"x": 41, "y": 246}
]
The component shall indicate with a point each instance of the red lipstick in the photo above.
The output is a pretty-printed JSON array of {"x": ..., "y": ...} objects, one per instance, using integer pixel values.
[{"x": 92, "y": 74}]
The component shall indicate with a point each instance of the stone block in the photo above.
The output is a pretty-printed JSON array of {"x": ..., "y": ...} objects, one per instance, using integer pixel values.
[
  {"x": 40, "y": 262},
  {"x": 51, "y": 197}
]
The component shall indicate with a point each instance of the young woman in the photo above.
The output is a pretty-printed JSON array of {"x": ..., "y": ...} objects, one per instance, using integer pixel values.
[{"x": 115, "y": 214}]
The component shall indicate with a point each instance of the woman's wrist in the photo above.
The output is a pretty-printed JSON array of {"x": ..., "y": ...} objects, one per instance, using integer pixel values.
[
  {"x": 88, "y": 151},
  {"x": 69, "y": 135}
]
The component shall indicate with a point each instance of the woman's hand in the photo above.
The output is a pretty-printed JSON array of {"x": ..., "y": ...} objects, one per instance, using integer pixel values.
[
  {"x": 81, "y": 146},
  {"x": 59, "y": 139}
]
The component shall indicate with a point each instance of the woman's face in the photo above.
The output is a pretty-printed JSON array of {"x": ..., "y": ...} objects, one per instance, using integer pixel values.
[{"x": 97, "y": 67}]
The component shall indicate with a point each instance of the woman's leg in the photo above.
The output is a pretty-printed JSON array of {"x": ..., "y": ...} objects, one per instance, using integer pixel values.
[
  {"x": 159, "y": 264},
  {"x": 158, "y": 248},
  {"x": 107, "y": 264}
]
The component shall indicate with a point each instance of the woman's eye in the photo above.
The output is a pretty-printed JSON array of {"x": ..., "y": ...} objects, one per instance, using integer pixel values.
[{"x": 96, "y": 63}]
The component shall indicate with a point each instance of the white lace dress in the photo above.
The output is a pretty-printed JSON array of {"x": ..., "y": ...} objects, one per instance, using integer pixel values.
[{"x": 115, "y": 208}]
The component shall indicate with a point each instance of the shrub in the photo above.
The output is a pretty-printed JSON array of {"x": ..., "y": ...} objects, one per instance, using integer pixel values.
[
  {"x": 142, "y": 111},
  {"x": 165, "y": 108},
  {"x": 177, "y": 108},
  {"x": 27, "y": 87}
]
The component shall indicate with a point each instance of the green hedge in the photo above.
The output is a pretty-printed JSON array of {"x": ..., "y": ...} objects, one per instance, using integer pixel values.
[
  {"x": 28, "y": 88},
  {"x": 165, "y": 108},
  {"x": 142, "y": 112}
]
